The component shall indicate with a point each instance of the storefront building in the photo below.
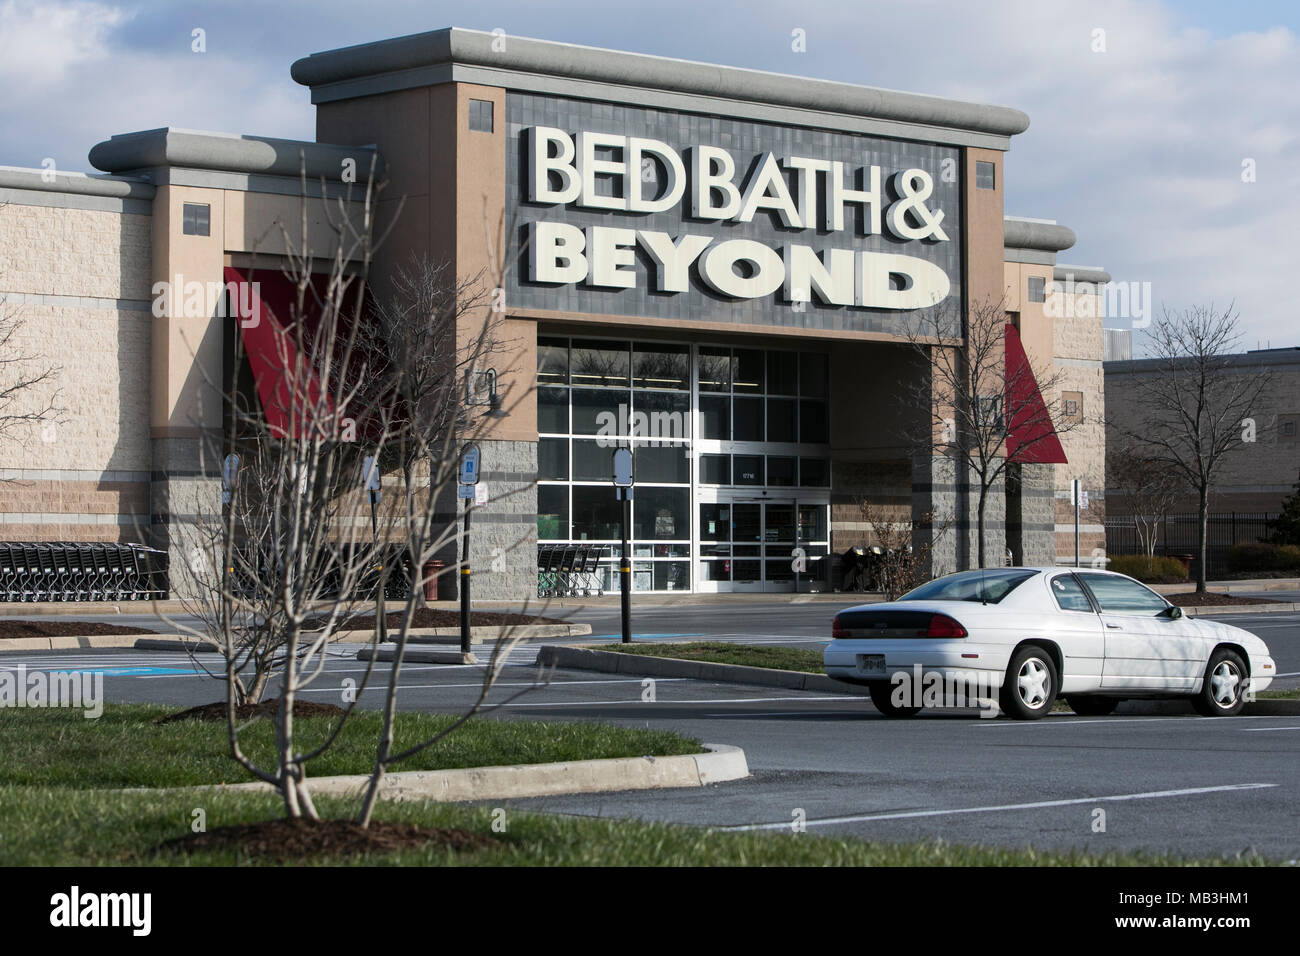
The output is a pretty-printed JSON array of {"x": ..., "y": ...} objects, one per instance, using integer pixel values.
[{"x": 722, "y": 269}]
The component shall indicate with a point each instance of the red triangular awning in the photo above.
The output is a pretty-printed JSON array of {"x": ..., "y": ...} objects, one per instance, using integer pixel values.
[
  {"x": 264, "y": 310},
  {"x": 1031, "y": 437}
]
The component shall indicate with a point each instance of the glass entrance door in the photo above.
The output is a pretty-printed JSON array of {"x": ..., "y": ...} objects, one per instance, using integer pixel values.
[{"x": 748, "y": 545}]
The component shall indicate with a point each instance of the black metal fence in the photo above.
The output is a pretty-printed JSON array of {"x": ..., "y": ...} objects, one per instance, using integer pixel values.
[{"x": 1177, "y": 534}]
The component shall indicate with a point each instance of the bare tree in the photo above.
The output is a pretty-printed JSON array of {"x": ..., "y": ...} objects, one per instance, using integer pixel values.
[
  {"x": 1192, "y": 410},
  {"x": 1149, "y": 486},
  {"x": 296, "y": 552},
  {"x": 975, "y": 403},
  {"x": 899, "y": 565}
]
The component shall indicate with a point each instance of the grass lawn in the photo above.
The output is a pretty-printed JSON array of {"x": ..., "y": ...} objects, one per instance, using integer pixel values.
[
  {"x": 125, "y": 748},
  {"x": 43, "y": 827},
  {"x": 1293, "y": 694},
  {"x": 750, "y": 655}
]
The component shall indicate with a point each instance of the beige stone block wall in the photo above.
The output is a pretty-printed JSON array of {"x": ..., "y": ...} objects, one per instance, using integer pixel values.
[
  {"x": 81, "y": 252},
  {"x": 90, "y": 259}
]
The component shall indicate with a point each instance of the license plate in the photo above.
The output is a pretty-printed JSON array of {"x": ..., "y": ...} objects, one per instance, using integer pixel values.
[{"x": 871, "y": 663}]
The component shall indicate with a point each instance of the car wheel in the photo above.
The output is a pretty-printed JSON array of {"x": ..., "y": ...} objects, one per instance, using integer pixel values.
[
  {"x": 1091, "y": 705},
  {"x": 882, "y": 696},
  {"x": 1030, "y": 687},
  {"x": 1223, "y": 690}
]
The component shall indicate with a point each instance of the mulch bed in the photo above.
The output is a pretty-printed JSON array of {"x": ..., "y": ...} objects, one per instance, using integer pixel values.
[
  {"x": 298, "y": 840},
  {"x": 441, "y": 617},
  {"x": 267, "y": 708},
  {"x": 1214, "y": 599},
  {"x": 11, "y": 629}
]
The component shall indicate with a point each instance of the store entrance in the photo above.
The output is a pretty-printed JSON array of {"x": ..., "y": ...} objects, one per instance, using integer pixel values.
[{"x": 749, "y": 545}]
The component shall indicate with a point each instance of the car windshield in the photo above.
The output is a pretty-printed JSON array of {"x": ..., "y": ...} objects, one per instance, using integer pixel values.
[{"x": 986, "y": 587}]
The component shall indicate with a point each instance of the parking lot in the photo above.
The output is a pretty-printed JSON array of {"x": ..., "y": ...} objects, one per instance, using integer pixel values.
[{"x": 1164, "y": 783}]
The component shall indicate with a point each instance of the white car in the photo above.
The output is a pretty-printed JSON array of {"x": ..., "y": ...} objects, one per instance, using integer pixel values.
[{"x": 1025, "y": 635}]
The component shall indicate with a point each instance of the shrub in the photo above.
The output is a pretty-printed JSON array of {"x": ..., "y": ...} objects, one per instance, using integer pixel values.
[
  {"x": 1264, "y": 557},
  {"x": 1156, "y": 570}
]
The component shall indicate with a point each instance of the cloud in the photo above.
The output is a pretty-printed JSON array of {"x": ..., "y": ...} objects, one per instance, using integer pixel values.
[{"x": 1136, "y": 142}]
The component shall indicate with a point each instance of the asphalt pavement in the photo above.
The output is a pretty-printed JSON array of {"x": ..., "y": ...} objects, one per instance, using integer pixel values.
[{"x": 830, "y": 763}]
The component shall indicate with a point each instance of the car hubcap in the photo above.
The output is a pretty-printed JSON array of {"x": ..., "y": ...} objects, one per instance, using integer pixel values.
[
  {"x": 1224, "y": 684},
  {"x": 1032, "y": 683}
]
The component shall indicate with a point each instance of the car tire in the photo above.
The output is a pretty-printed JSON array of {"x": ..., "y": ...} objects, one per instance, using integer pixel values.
[
  {"x": 1223, "y": 689},
  {"x": 1031, "y": 684},
  {"x": 881, "y": 697},
  {"x": 1092, "y": 705}
]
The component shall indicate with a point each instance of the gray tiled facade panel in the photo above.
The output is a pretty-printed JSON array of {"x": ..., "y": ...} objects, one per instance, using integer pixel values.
[
  {"x": 746, "y": 141},
  {"x": 503, "y": 533}
]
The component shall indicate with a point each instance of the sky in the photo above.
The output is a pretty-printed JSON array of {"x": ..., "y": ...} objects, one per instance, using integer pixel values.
[{"x": 1164, "y": 134}]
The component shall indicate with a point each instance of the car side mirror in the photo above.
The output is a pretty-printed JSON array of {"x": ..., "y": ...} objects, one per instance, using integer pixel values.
[{"x": 1173, "y": 612}]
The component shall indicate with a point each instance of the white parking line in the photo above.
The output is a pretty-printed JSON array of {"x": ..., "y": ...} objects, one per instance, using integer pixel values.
[
  {"x": 1264, "y": 730},
  {"x": 1042, "y": 804}
]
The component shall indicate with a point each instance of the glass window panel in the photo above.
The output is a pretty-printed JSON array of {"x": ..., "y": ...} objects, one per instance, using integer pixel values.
[
  {"x": 812, "y": 523},
  {"x": 660, "y": 366},
  {"x": 671, "y": 575},
  {"x": 1123, "y": 596},
  {"x": 553, "y": 512},
  {"x": 553, "y": 410},
  {"x": 601, "y": 411},
  {"x": 715, "y": 417},
  {"x": 597, "y": 514},
  {"x": 661, "y": 463},
  {"x": 552, "y": 362},
  {"x": 749, "y": 419},
  {"x": 813, "y": 473},
  {"x": 715, "y": 370},
  {"x": 716, "y": 570},
  {"x": 553, "y": 458},
  {"x": 780, "y": 420},
  {"x": 780, "y": 522},
  {"x": 593, "y": 362},
  {"x": 780, "y": 471},
  {"x": 746, "y": 523},
  {"x": 594, "y": 461},
  {"x": 715, "y": 522},
  {"x": 749, "y": 469},
  {"x": 746, "y": 550},
  {"x": 749, "y": 370},
  {"x": 782, "y": 373},
  {"x": 814, "y": 429},
  {"x": 661, "y": 513},
  {"x": 661, "y": 415},
  {"x": 747, "y": 571},
  {"x": 780, "y": 570},
  {"x": 1069, "y": 594},
  {"x": 715, "y": 469},
  {"x": 813, "y": 371}
]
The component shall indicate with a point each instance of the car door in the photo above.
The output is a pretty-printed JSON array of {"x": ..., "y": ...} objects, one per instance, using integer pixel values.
[
  {"x": 1146, "y": 649},
  {"x": 1079, "y": 632}
]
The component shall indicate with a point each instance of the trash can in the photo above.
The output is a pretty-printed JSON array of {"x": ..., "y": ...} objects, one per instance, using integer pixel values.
[{"x": 430, "y": 576}]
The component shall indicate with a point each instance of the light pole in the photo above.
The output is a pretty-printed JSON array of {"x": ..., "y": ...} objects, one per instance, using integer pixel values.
[
  {"x": 469, "y": 473},
  {"x": 370, "y": 482},
  {"x": 623, "y": 480}
]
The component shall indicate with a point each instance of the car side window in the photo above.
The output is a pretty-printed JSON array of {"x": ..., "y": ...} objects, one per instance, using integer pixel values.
[
  {"x": 1123, "y": 596},
  {"x": 1069, "y": 594}
]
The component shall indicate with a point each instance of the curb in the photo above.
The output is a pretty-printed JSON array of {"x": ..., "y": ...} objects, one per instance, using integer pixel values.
[
  {"x": 720, "y": 763},
  {"x": 612, "y": 662},
  {"x": 69, "y": 643}
]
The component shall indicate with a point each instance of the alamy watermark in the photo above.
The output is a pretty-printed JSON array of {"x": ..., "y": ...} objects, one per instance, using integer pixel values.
[
  {"x": 1084, "y": 300},
  {"x": 947, "y": 688},
  {"x": 38, "y": 688}
]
